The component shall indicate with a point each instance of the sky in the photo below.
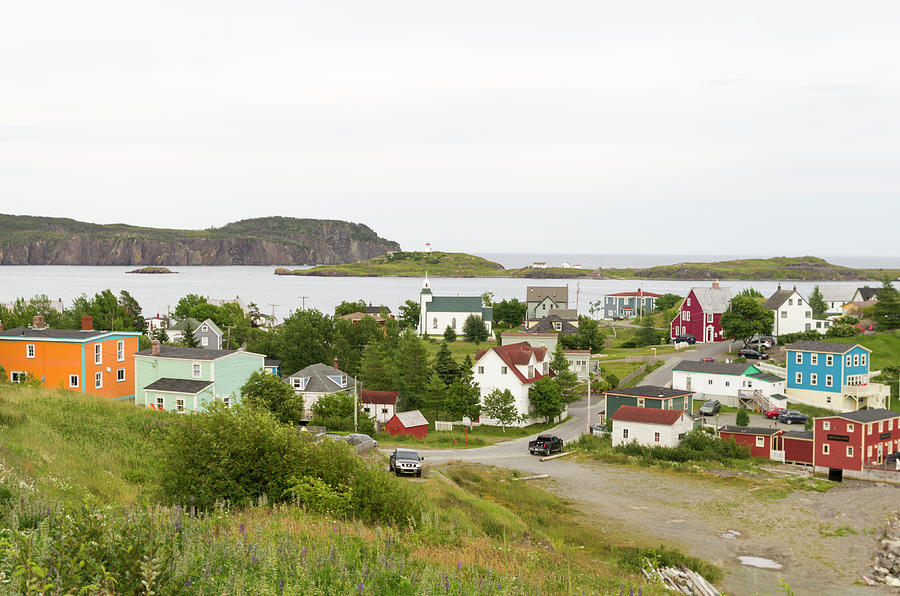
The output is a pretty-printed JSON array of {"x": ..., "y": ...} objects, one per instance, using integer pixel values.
[{"x": 719, "y": 127}]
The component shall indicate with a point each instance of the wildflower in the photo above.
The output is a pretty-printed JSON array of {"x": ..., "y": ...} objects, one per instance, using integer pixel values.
[{"x": 242, "y": 527}]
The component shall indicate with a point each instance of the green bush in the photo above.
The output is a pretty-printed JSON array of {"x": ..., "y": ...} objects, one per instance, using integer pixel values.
[
  {"x": 743, "y": 418},
  {"x": 696, "y": 446}
]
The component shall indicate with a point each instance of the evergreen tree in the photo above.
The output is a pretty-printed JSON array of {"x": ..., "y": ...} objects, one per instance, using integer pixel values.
[
  {"x": 647, "y": 335},
  {"x": 376, "y": 369},
  {"x": 187, "y": 336},
  {"x": 501, "y": 406},
  {"x": 546, "y": 398},
  {"x": 886, "y": 311},
  {"x": 435, "y": 395},
  {"x": 565, "y": 378},
  {"x": 449, "y": 334},
  {"x": 464, "y": 395},
  {"x": 444, "y": 365},
  {"x": 742, "y": 418},
  {"x": 412, "y": 370},
  {"x": 474, "y": 329},
  {"x": 817, "y": 303}
]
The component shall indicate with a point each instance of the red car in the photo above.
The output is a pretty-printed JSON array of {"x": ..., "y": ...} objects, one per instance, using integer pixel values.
[
  {"x": 774, "y": 412},
  {"x": 707, "y": 360}
]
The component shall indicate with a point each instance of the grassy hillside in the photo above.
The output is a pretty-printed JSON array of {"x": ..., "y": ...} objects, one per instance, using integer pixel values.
[
  {"x": 776, "y": 268},
  {"x": 409, "y": 264},
  {"x": 885, "y": 348},
  {"x": 78, "y": 486}
]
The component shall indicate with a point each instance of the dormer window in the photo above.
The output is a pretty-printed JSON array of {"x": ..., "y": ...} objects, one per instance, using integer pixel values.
[
  {"x": 204, "y": 328},
  {"x": 299, "y": 383},
  {"x": 339, "y": 380}
]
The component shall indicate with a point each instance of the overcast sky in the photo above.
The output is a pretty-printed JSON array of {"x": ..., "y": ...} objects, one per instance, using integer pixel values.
[{"x": 649, "y": 127}]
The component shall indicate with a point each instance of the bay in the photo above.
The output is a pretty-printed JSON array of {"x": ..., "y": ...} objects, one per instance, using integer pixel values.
[{"x": 282, "y": 294}]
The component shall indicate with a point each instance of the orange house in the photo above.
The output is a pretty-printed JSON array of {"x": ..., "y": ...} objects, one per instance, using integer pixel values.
[{"x": 84, "y": 360}]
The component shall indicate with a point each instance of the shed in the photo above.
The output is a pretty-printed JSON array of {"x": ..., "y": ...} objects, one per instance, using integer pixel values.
[
  {"x": 411, "y": 423},
  {"x": 380, "y": 405},
  {"x": 798, "y": 447},
  {"x": 650, "y": 426},
  {"x": 760, "y": 441}
]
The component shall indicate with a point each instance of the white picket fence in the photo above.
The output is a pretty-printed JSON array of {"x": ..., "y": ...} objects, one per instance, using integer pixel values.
[{"x": 439, "y": 425}]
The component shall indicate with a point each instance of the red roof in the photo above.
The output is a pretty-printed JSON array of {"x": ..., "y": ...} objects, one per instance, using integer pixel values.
[
  {"x": 518, "y": 355},
  {"x": 367, "y": 396},
  {"x": 638, "y": 294},
  {"x": 647, "y": 415}
]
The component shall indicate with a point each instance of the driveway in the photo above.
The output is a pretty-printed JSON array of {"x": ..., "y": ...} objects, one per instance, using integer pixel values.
[{"x": 695, "y": 512}]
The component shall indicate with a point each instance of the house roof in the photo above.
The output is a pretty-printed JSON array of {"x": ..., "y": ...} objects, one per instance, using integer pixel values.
[
  {"x": 778, "y": 298},
  {"x": 713, "y": 300},
  {"x": 716, "y": 368},
  {"x": 651, "y": 391},
  {"x": 837, "y": 293},
  {"x": 826, "y": 347},
  {"x": 566, "y": 314},
  {"x": 48, "y": 333},
  {"x": 182, "y": 353},
  {"x": 368, "y": 396},
  {"x": 411, "y": 419},
  {"x": 637, "y": 294},
  {"x": 272, "y": 362},
  {"x": 798, "y": 434},
  {"x": 524, "y": 335},
  {"x": 319, "y": 382},
  {"x": 867, "y": 293},
  {"x": 518, "y": 354},
  {"x": 356, "y": 316},
  {"x": 464, "y": 304},
  {"x": 190, "y": 386},
  {"x": 866, "y": 416},
  {"x": 376, "y": 310},
  {"x": 749, "y": 430},
  {"x": 647, "y": 415},
  {"x": 538, "y": 293},
  {"x": 766, "y": 377},
  {"x": 180, "y": 325},
  {"x": 545, "y": 325}
]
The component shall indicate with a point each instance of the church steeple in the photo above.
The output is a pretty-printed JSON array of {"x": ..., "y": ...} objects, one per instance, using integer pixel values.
[{"x": 426, "y": 285}]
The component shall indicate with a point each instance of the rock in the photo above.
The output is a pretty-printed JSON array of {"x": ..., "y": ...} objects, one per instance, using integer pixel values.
[{"x": 892, "y": 581}]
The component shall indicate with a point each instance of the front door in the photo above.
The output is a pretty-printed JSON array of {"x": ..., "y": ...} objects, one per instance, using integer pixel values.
[
  {"x": 709, "y": 334},
  {"x": 688, "y": 387}
]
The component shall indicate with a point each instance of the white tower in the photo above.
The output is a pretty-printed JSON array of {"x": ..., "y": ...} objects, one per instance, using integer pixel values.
[{"x": 424, "y": 299}]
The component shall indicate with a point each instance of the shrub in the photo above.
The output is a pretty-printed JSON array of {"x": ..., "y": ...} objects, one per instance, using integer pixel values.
[
  {"x": 743, "y": 418},
  {"x": 696, "y": 446},
  {"x": 449, "y": 334}
]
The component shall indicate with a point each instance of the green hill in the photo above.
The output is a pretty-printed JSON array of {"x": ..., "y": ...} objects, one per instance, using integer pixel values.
[
  {"x": 776, "y": 268},
  {"x": 409, "y": 264}
]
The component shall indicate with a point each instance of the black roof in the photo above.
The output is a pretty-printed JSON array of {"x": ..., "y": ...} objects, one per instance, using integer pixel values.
[
  {"x": 545, "y": 325},
  {"x": 867, "y": 293},
  {"x": 186, "y": 353},
  {"x": 749, "y": 430},
  {"x": 820, "y": 346},
  {"x": 766, "y": 377},
  {"x": 866, "y": 416},
  {"x": 719, "y": 368},
  {"x": 272, "y": 362},
  {"x": 50, "y": 333},
  {"x": 178, "y": 385},
  {"x": 376, "y": 310},
  {"x": 651, "y": 391},
  {"x": 799, "y": 434},
  {"x": 778, "y": 298}
]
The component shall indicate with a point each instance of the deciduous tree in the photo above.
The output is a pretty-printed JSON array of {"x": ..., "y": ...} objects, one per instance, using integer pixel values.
[
  {"x": 546, "y": 398},
  {"x": 267, "y": 391},
  {"x": 305, "y": 339},
  {"x": 501, "y": 406},
  {"x": 746, "y": 317},
  {"x": 409, "y": 314}
]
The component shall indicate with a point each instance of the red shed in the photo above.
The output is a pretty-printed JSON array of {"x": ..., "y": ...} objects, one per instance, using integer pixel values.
[
  {"x": 408, "y": 423},
  {"x": 852, "y": 440},
  {"x": 701, "y": 313},
  {"x": 798, "y": 447},
  {"x": 760, "y": 441}
]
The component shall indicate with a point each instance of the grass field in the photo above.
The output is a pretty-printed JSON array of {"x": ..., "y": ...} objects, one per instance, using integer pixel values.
[
  {"x": 479, "y": 436},
  {"x": 459, "y": 349},
  {"x": 885, "y": 348}
]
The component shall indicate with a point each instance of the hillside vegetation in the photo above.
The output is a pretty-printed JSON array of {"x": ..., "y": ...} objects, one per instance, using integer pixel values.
[
  {"x": 777, "y": 268},
  {"x": 83, "y": 509},
  {"x": 409, "y": 264}
]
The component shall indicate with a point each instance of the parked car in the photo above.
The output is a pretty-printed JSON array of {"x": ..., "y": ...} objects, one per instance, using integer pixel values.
[
  {"x": 600, "y": 430},
  {"x": 361, "y": 442},
  {"x": 545, "y": 444},
  {"x": 684, "y": 338},
  {"x": 711, "y": 408},
  {"x": 405, "y": 461},
  {"x": 753, "y": 354},
  {"x": 766, "y": 341},
  {"x": 773, "y": 412},
  {"x": 707, "y": 360},
  {"x": 333, "y": 436},
  {"x": 792, "y": 417}
]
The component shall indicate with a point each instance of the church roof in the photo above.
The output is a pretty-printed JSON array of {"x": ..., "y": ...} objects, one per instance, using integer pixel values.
[{"x": 455, "y": 304}]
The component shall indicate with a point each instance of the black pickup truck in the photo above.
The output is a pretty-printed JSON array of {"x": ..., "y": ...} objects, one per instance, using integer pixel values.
[{"x": 545, "y": 444}]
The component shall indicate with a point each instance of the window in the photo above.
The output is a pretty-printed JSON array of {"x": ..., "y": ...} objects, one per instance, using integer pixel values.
[
  {"x": 160, "y": 403},
  {"x": 384, "y": 410},
  {"x": 557, "y": 325},
  {"x": 809, "y": 316},
  {"x": 850, "y": 428},
  {"x": 179, "y": 405},
  {"x": 728, "y": 383},
  {"x": 204, "y": 341},
  {"x": 784, "y": 314},
  {"x": 709, "y": 382},
  {"x": 29, "y": 351},
  {"x": 760, "y": 441},
  {"x": 826, "y": 425},
  {"x": 98, "y": 380},
  {"x": 120, "y": 350},
  {"x": 624, "y": 433},
  {"x": 503, "y": 370},
  {"x": 849, "y": 451},
  {"x": 829, "y": 380},
  {"x": 656, "y": 437},
  {"x": 73, "y": 381},
  {"x": 814, "y": 359},
  {"x": 434, "y": 323},
  {"x": 798, "y": 378},
  {"x": 849, "y": 360},
  {"x": 829, "y": 360},
  {"x": 799, "y": 359},
  {"x": 366, "y": 409},
  {"x": 453, "y": 322},
  {"x": 686, "y": 316},
  {"x": 227, "y": 401},
  {"x": 881, "y": 426},
  {"x": 120, "y": 375},
  {"x": 827, "y": 399},
  {"x": 807, "y": 327},
  {"x": 530, "y": 371},
  {"x": 204, "y": 328},
  {"x": 869, "y": 427},
  {"x": 98, "y": 354},
  {"x": 671, "y": 403},
  {"x": 825, "y": 448},
  {"x": 17, "y": 376},
  {"x": 640, "y": 402},
  {"x": 295, "y": 383},
  {"x": 790, "y": 302},
  {"x": 709, "y": 317},
  {"x": 195, "y": 370},
  {"x": 480, "y": 370},
  {"x": 813, "y": 379},
  {"x": 862, "y": 359},
  {"x": 688, "y": 301},
  {"x": 856, "y": 360},
  {"x": 870, "y": 451}
]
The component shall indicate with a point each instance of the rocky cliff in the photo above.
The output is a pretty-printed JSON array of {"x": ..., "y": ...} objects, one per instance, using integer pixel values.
[{"x": 28, "y": 240}]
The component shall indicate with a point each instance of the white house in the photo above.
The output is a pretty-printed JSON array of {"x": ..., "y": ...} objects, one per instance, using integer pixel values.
[
  {"x": 727, "y": 382},
  {"x": 793, "y": 313},
  {"x": 650, "y": 426},
  {"x": 439, "y": 312},
  {"x": 580, "y": 363},
  {"x": 515, "y": 367},
  {"x": 317, "y": 380},
  {"x": 835, "y": 297},
  {"x": 380, "y": 405}
]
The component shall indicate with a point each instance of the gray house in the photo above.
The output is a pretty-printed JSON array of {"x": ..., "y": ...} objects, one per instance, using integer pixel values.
[
  {"x": 540, "y": 300},
  {"x": 317, "y": 380},
  {"x": 207, "y": 333}
]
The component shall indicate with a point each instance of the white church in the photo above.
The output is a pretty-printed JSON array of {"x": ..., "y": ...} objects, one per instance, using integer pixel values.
[{"x": 439, "y": 312}]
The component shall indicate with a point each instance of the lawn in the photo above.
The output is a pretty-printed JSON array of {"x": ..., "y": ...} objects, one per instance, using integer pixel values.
[
  {"x": 459, "y": 349},
  {"x": 479, "y": 436},
  {"x": 620, "y": 369},
  {"x": 645, "y": 351},
  {"x": 885, "y": 348}
]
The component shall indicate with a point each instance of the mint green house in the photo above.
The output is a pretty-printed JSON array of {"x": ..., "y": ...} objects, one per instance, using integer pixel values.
[{"x": 178, "y": 379}]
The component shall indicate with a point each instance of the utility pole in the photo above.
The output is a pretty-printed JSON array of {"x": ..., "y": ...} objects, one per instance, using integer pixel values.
[
  {"x": 272, "y": 320},
  {"x": 355, "y": 407},
  {"x": 228, "y": 341},
  {"x": 590, "y": 430},
  {"x": 303, "y": 298}
]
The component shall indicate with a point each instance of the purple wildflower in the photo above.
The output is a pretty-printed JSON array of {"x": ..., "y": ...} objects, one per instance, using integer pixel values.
[
  {"x": 446, "y": 583},
  {"x": 242, "y": 527}
]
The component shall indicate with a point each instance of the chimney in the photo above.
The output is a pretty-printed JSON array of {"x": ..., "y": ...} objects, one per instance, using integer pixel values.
[
  {"x": 779, "y": 286},
  {"x": 154, "y": 347},
  {"x": 37, "y": 322},
  {"x": 335, "y": 363},
  {"x": 87, "y": 323},
  {"x": 715, "y": 284}
]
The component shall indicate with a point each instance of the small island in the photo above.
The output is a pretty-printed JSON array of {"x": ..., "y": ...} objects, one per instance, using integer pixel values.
[{"x": 152, "y": 269}]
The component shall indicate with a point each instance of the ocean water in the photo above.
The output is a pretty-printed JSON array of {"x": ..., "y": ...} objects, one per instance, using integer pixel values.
[{"x": 282, "y": 294}]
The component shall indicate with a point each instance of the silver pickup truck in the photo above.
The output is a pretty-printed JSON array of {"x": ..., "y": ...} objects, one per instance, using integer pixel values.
[{"x": 405, "y": 461}]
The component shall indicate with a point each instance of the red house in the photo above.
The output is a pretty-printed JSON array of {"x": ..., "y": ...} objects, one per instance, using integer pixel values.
[
  {"x": 408, "y": 423},
  {"x": 854, "y": 440},
  {"x": 760, "y": 441},
  {"x": 798, "y": 447},
  {"x": 701, "y": 314}
]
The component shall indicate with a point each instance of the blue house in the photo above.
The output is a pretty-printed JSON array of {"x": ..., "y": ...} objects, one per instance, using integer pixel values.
[{"x": 832, "y": 375}]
